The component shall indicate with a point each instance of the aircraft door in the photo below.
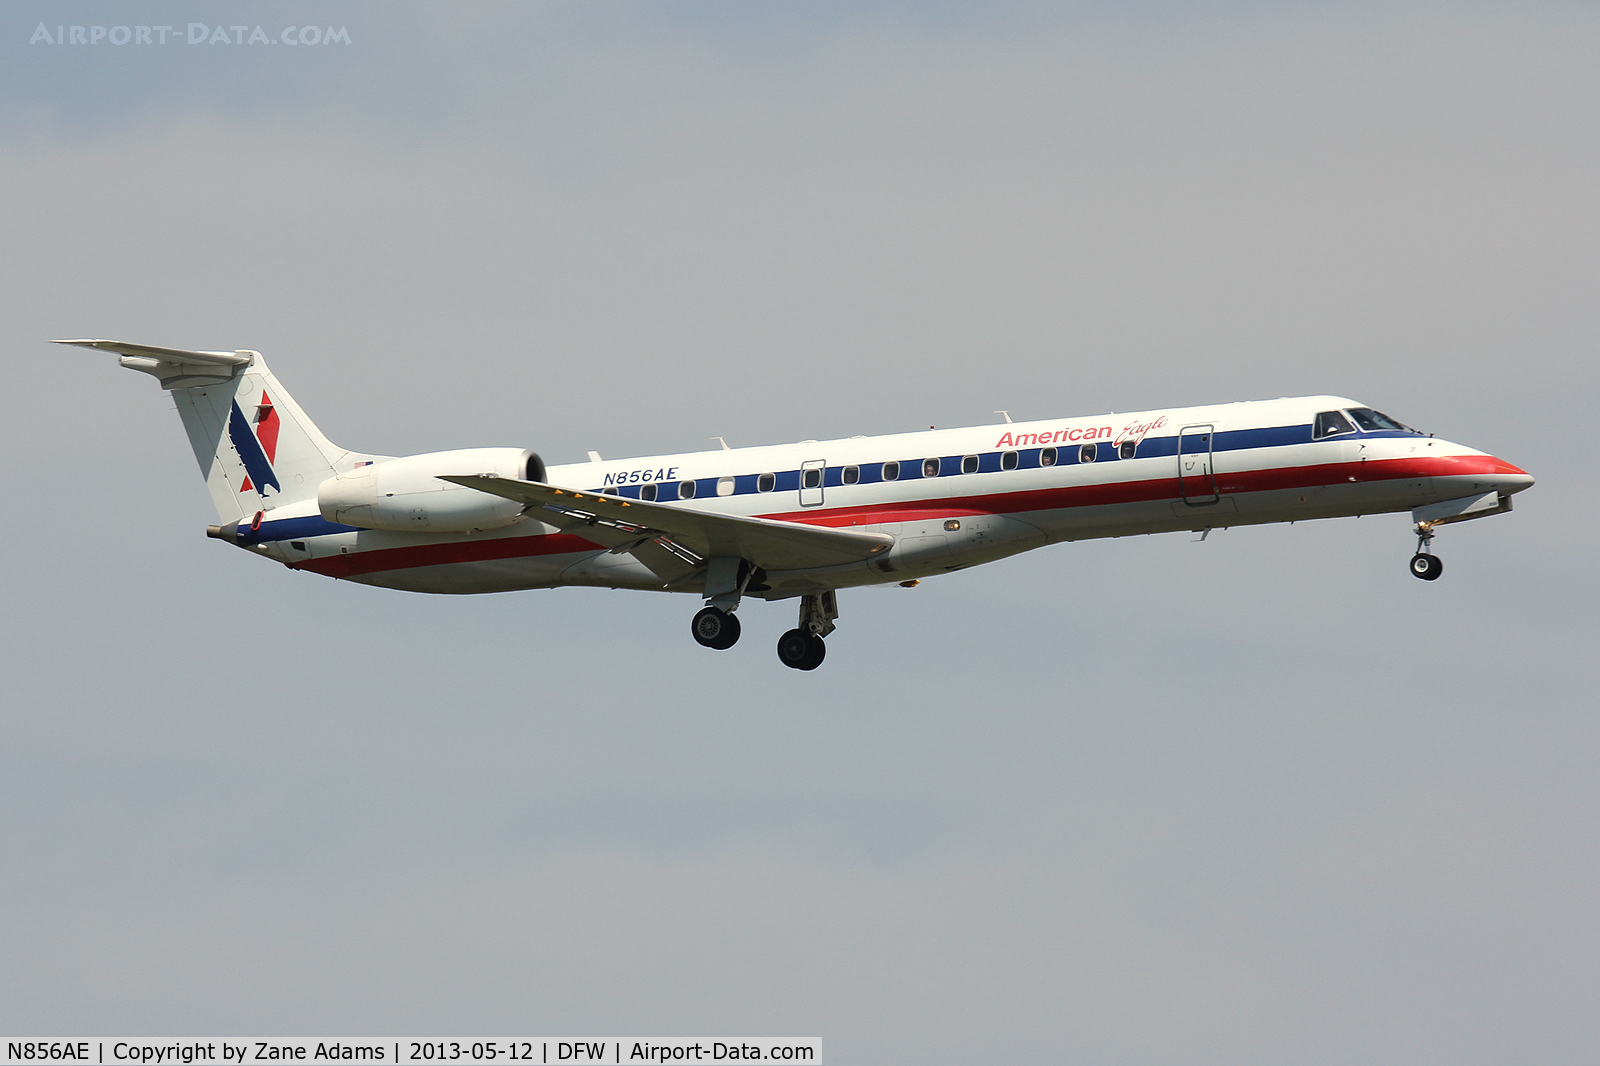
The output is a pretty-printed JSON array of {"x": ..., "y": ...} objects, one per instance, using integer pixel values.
[
  {"x": 812, "y": 475},
  {"x": 1196, "y": 478}
]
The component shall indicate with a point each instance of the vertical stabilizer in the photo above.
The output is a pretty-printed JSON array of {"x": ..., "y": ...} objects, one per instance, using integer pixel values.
[{"x": 256, "y": 447}]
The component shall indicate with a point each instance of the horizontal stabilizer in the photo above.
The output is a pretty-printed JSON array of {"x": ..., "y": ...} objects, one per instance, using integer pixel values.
[
  {"x": 766, "y": 543},
  {"x": 169, "y": 355}
]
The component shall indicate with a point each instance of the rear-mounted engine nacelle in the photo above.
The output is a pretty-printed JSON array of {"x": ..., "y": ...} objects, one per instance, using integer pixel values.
[{"x": 406, "y": 494}]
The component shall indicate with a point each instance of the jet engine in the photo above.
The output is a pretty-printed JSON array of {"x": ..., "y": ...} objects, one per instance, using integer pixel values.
[{"x": 406, "y": 494}]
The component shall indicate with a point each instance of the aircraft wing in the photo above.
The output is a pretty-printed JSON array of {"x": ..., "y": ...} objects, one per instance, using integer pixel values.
[{"x": 766, "y": 543}]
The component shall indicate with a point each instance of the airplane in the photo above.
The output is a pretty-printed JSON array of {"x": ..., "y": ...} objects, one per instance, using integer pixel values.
[{"x": 793, "y": 521}]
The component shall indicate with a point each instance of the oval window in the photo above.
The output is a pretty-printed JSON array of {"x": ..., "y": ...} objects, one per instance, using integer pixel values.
[
  {"x": 811, "y": 479},
  {"x": 851, "y": 475},
  {"x": 1047, "y": 457},
  {"x": 647, "y": 492},
  {"x": 766, "y": 482},
  {"x": 930, "y": 468},
  {"x": 1086, "y": 454},
  {"x": 685, "y": 490},
  {"x": 1127, "y": 448},
  {"x": 891, "y": 471},
  {"x": 724, "y": 486},
  {"x": 969, "y": 464},
  {"x": 1008, "y": 461}
]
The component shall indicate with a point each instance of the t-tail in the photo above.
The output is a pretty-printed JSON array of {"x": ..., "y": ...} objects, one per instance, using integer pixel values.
[{"x": 256, "y": 447}]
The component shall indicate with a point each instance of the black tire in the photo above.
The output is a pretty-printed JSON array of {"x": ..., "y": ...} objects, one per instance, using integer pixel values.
[
  {"x": 794, "y": 650},
  {"x": 1427, "y": 567},
  {"x": 818, "y": 652},
  {"x": 715, "y": 628}
]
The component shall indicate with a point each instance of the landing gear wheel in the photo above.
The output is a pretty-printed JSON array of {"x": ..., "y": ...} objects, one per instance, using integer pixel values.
[
  {"x": 819, "y": 651},
  {"x": 714, "y": 628},
  {"x": 1427, "y": 567},
  {"x": 800, "y": 650}
]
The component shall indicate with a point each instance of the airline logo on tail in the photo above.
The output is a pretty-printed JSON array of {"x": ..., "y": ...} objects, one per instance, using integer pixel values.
[{"x": 257, "y": 445}]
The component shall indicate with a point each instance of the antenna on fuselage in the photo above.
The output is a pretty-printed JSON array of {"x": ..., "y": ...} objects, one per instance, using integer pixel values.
[{"x": 1006, "y": 415}]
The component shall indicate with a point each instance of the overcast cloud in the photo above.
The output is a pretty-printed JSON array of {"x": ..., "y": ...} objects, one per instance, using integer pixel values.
[{"x": 1263, "y": 799}]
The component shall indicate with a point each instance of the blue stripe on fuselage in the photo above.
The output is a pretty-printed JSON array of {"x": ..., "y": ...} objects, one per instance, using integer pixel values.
[
  {"x": 1028, "y": 459},
  {"x": 292, "y": 529},
  {"x": 285, "y": 529}
]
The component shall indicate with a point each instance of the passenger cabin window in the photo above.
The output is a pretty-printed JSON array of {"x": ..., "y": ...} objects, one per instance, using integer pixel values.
[
  {"x": 891, "y": 471},
  {"x": 1127, "y": 449},
  {"x": 724, "y": 486},
  {"x": 969, "y": 464},
  {"x": 1374, "y": 421},
  {"x": 647, "y": 492},
  {"x": 1008, "y": 461},
  {"x": 766, "y": 482},
  {"x": 685, "y": 490},
  {"x": 1086, "y": 453},
  {"x": 811, "y": 479},
  {"x": 1047, "y": 457},
  {"x": 850, "y": 475},
  {"x": 930, "y": 468},
  {"x": 1331, "y": 424}
]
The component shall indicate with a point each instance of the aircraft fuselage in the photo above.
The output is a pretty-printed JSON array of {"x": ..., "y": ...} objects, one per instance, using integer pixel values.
[{"x": 950, "y": 498}]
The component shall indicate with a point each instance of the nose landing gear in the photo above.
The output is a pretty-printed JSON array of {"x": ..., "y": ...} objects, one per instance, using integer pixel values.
[
  {"x": 1427, "y": 567},
  {"x": 1425, "y": 564}
]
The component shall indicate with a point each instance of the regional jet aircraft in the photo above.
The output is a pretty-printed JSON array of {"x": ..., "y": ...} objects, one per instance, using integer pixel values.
[{"x": 793, "y": 521}]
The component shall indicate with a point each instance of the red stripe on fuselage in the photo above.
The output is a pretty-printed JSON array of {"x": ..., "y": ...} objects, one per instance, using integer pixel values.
[
  {"x": 1066, "y": 496},
  {"x": 469, "y": 551},
  {"x": 1228, "y": 484}
]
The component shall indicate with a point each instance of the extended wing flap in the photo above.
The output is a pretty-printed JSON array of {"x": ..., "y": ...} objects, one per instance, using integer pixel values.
[
  {"x": 769, "y": 544},
  {"x": 666, "y": 559}
]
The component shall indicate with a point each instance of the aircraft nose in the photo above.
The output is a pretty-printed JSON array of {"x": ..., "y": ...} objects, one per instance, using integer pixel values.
[{"x": 1510, "y": 478}]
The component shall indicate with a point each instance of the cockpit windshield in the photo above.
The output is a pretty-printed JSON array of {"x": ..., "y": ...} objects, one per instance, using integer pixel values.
[
  {"x": 1330, "y": 424},
  {"x": 1374, "y": 421}
]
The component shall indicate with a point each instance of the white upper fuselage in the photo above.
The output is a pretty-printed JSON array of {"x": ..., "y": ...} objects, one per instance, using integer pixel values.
[{"x": 958, "y": 497}]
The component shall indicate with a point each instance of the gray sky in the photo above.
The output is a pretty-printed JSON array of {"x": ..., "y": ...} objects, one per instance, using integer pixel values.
[{"x": 1264, "y": 799}]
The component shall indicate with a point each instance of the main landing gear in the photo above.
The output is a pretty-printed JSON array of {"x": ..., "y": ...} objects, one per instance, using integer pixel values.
[
  {"x": 1425, "y": 564},
  {"x": 802, "y": 648},
  {"x": 715, "y": 628}
]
